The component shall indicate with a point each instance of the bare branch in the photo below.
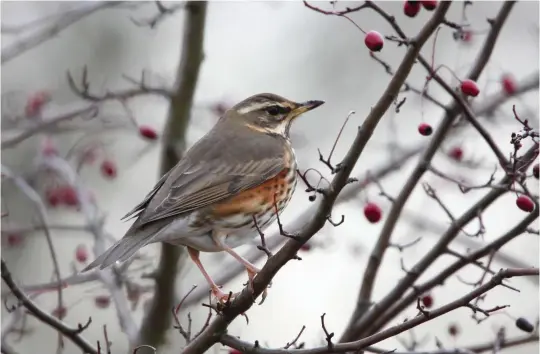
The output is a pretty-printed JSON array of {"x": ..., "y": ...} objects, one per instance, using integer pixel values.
[
  {"x": 67, "y": 19},
  {"x": 72, "y": 333},
  {"x": 364, "y": 343},
  {"x": 397, "y": 207}
]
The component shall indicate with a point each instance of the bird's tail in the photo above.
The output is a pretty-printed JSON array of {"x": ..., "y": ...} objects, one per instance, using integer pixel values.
[{"x": 120, "y": 251}]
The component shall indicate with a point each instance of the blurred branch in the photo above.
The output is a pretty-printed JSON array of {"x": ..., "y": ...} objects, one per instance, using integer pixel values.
[
  {"x": 163, "y": 13},
  {"x": 72, "y": 333},
  {"x": 82, "y": 89},
  {"x": 245, "y": 300},
  {"x": 64, "y": 21},
  {"x": 159, "y": 317},
  {"x": 94, "y": 220},
  {"x": 464, "y": 301},
  {"x": 34, "y": 197},
  {"x": 48, "y": 123},
  {"x": 360, "y": 319}
]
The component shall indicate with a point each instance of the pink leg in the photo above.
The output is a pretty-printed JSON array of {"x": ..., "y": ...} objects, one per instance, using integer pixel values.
[
  {"x": 220, "y": 295},
  {"x": 250, "y": 268}
]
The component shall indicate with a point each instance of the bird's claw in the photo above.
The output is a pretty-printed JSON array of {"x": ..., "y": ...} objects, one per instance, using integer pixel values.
[{"x": 222, "y": 297}]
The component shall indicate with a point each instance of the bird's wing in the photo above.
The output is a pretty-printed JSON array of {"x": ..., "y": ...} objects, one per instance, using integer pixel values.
[
  {"x": 135, "y": 212},
  {"x": 222, "y": 164}
]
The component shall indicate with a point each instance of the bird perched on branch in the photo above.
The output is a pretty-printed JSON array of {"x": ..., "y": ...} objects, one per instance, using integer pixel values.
[{"x": 228, "y": 185}]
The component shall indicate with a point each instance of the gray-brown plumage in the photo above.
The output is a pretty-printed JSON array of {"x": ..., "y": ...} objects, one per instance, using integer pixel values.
[{"x": 244, "y": 167}]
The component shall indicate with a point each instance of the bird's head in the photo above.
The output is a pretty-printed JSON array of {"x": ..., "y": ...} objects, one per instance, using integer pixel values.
[{"x": 269, "y": 113}]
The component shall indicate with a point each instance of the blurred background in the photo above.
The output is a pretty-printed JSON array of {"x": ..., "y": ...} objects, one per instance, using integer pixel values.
[{"x": 287, "y": 49}]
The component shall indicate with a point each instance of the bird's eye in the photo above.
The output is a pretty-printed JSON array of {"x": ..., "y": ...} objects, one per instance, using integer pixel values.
[{"x": 273, "y": 110}]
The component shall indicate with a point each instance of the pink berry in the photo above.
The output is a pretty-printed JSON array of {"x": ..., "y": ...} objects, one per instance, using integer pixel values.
[
  {"x": 374, "y": 41},
  {"x": 429, "y": 5},
  {"x": 35, "y": 103},
  {"x": 427, "y": 301},
  {"x": 411, "y": 8},
  {"x": 48, "y": 148},
  {"x": 108, "y": 169},
  {"x": 60, "y": 312},
  {"x": 470, "y": 88},
  {"x": 14, "y": 239},
  {"x": 53, "y": 197},
  {"x": 81, "y": 253},
  {"x": 508, "y": 84},
  {"x": 456, "y": 153},
  {"x": 372, "y": 212},
  {"x": 102, "y": 301},
  {"x": 234, "y": 351},
  {"x": 68, "y": 195},
  {"x": 466, "y": 36},
  {"x": 535, "y": 171},
  {"x": 148, "y": 132},
  {"x": 425, "y": 129},
  {"x": 525, "y": 203}
]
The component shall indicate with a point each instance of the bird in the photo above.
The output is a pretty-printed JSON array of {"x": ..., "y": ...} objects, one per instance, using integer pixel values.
[{"x": 230, "y": 185}]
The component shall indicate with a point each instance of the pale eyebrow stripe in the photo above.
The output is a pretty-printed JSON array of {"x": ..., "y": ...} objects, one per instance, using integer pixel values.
[{"x": 256, "y": 106}]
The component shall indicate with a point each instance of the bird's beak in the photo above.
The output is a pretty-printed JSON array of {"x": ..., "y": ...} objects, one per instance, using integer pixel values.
[{"x": 305, "y": 106}]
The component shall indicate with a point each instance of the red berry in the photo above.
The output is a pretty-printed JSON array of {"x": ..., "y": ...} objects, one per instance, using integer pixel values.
[
  {"x": 525, "y": 203},
  {"x": 427, "y": 301},
  {"x": 453, "y": 330},
  {"x": 234, "y": 351},
  {"x": 305, "y": 247},
  {"x": 35, "y": 103},
  {"x": 68, "y": 195},
  {"x": 148, "y": 132},
  {"x": 411, "y": 8},
  {"x": 429, "y": 5},
  {"x": 14, "y": 239},
  {"x": 53, "y": 198},
  {"x": 509, "y": 84},
  {"x": 535, "y": 171},
  {"x": 372, "y": 212},
  {"x": 374, "y": 41},
  {"x": 456, "y": 153},
  {"x": 81, "y": 253},
  {"x": 108, "y": 169},
  {"x": 469, "y": 88},
  {"x": 425, "y": 129},
  {"x": 466, "y": 36},
  {"x": 102, "y": 301},
  {"x": 60, "y": 312}
]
